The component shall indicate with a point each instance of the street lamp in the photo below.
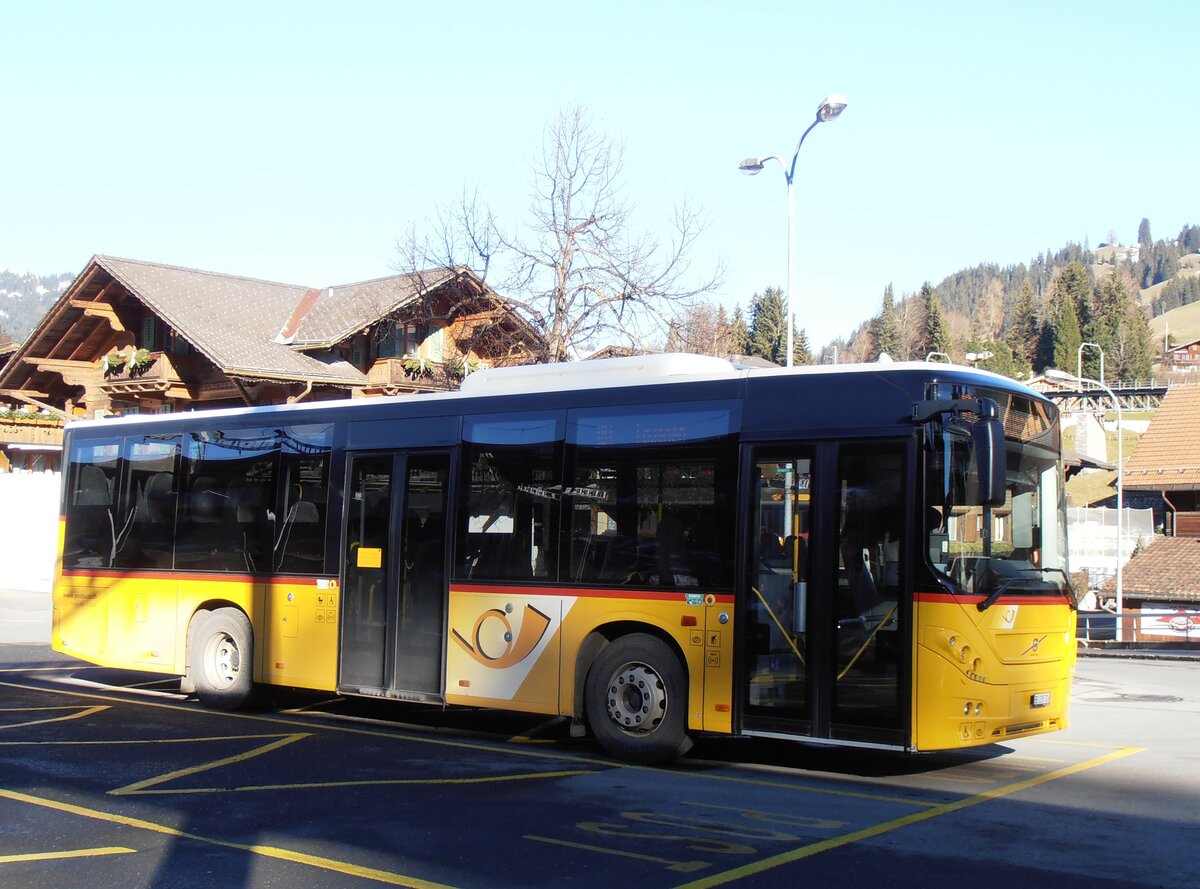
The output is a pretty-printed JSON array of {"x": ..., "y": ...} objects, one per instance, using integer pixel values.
[
  {"x": 831, "y": 106},
  {"x": 1079, "y": 360},
  {"x": 1063, "y": 376}
]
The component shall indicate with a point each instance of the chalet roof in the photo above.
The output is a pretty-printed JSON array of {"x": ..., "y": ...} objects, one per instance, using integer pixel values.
[
  {"x": 329, "y": 315},
  {"x": 1169, "y": 568},
  {"x": 1167, "y": 457},
  {"x": 1182, "y": 347},
  {"x": 232, "y": 320}
]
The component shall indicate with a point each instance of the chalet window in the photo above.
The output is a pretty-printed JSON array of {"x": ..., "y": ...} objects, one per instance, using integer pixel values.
[
  {"x": 413, "y": 334},
  {"x": 150, "y": 328},
  {"x": 391, "y": 340}
]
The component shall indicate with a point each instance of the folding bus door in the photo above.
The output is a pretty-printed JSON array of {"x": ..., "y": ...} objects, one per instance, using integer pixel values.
[
  {"x": 394, "y": 580},
  {"x": 823, "y": 618}
]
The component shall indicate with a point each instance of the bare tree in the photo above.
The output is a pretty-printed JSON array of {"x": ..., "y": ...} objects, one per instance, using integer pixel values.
[
  {"x": 910, "y": 317},
  {"x": 575, "y": 270},
  {"x": 705, "y": 329}
]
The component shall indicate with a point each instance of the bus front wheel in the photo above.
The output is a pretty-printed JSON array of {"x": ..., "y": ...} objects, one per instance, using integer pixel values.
[
  {"x": 637, "y": 700},
  {"x": 223, "y": 658}
]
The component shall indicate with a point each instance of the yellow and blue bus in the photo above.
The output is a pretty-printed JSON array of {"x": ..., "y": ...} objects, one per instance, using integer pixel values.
[{"x": 653, "y": 547}]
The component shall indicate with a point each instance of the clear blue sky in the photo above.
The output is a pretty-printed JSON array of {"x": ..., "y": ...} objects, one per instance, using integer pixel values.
[{"x": 297, "y": 141}]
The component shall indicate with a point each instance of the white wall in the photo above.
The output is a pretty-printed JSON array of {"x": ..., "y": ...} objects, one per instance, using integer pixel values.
[{"x": 28, "y": 530}]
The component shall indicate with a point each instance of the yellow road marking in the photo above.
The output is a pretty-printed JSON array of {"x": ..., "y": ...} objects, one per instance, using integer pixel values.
[
  {"x": 76, "y": 853},
  {"x": 685, "y": 866},
  {"x": 139, "y": 787},
  {"x": 118, "y": 742},
  {"x": 541, "y": 753},
  {"x": 896, "y": 823},
  {"x": 330, "y": 864},
  {"x": 79, "y": 714},
  {"x": 380, "y": 782},
  {"x": 804, "y": 788}
]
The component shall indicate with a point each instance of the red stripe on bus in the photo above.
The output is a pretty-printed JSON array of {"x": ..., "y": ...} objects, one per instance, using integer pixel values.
[
  {"x": 187, "y": 575},
  {"x": 975, "y": 599},
  {"x": 673, "y": 595}
]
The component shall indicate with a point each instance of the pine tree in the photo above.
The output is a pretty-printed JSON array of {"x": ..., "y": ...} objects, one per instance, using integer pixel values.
[
  {"x": 1064, "y": 335},
  {"x": 886, "y": 328},
  {"x": 801, "y": 352},
  {"x": 1138, "y": 364},
  {"x": 1023, "y": 332},
  {"x": 1144, "y": 239},
  {"x": 937, "y": 332},
  {"x": 739, "y": 334},
  {"x": 767, "y": 333},
  {"x": 1076, "y": 281}
]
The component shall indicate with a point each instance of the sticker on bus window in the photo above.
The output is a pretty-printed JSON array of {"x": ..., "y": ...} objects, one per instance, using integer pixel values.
[{"x": 370, "y": 557}]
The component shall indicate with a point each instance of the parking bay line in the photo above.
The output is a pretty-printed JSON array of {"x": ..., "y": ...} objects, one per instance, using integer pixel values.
[
  {"x": 74, "y": 853},
  {"x": 903, "y": 821},
  {"x": 400, "y": 734},
  {"x": 330, "y": 864}
]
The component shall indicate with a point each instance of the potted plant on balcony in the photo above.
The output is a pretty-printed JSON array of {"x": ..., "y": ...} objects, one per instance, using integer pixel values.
[
  {"x": 139, "y": 362},
  {"x": 112, "y": 363},
  {"x": 418, "y": 367},
  {"x": 460, "y": 367}
]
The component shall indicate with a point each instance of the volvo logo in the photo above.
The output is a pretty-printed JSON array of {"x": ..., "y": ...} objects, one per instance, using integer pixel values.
[{"x": 1033, "y": 646}]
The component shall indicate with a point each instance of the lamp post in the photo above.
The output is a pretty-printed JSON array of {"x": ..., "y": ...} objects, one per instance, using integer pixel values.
[
  {"x": 1079, "y": 360},
  {"x": 831, "y": 106},
  {"x": 1063, "y": 376}
]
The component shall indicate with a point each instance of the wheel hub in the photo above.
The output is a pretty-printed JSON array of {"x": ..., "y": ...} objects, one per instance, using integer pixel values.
[
  {"x": 224, "y": 660},
  {"x": 637, "y": 698}
]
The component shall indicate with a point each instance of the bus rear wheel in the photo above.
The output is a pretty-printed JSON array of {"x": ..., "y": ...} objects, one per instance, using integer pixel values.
[
  {"x": 637, "y": 700},
  {"x": 222, "y": 659}
]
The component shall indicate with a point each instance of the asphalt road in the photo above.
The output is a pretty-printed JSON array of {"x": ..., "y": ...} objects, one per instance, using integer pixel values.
[{"x": 113, "y": 779}]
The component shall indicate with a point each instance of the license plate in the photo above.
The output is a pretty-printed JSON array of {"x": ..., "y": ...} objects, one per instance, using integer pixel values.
[{"x": 1041, "y": 699}]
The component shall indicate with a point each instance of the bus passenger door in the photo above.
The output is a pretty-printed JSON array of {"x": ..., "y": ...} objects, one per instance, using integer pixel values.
[
  {"x": 777, "y": 654},
  {"x": 394, "y": 577},
  {"x": 824, "y": 622},
  {"x": 871, "y": 615}
]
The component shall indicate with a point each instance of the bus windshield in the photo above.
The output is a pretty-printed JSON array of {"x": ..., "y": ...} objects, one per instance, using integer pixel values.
[{"x": 1015, "y": 548}]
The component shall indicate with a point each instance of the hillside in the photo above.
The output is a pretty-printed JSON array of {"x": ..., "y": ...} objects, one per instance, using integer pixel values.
[
  {"x": 1182, "y": 323},
  {"x": 25, "y": 298},
  {"x": 1019, "y": 318}
]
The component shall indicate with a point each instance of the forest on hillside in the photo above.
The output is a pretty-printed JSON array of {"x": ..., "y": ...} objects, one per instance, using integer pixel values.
[
  {"x": 1015, "y": 320},
  {"x": 25, "y": 298}
]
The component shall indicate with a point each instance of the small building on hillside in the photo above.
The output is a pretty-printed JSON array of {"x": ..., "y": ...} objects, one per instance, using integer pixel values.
[
  {"x": 138, "y": 337},
  {"x": 1184, "y": 358},
  {"x": 1167, "y": 461}
]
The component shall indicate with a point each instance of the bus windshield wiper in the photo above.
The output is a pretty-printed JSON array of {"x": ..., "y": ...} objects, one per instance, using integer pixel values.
[
  {"x": 1002, "y": 588},
  {"x": 995, "y": 594}
]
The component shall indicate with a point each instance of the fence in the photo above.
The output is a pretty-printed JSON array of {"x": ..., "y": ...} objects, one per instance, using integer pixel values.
[
  {"x": 28, "y": 529},
  {"x": 1092, "y": 544}
]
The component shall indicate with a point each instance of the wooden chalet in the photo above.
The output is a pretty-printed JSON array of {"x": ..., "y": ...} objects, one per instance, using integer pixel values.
[
  {"x": 1184, "y": 358},
  {"x": 1167, "y": 460},
  {"x": 140, "y": 337}
]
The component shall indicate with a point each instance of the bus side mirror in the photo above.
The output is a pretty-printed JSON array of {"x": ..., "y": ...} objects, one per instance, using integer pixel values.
[{"x": 988, "y": 436}]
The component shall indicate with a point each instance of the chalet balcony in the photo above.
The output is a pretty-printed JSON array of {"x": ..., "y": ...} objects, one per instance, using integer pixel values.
[
  {"x": 17, "y": 427},
  {"x": 394, "y": 375},
  {"x": 159, "y": 376}
]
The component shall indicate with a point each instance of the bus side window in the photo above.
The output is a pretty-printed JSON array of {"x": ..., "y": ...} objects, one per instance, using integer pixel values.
[
  {"x": 90, "y": 540},
  {"x": 508, "y": 526}
]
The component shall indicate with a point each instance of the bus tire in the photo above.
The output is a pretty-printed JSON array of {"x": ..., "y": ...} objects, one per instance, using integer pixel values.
[
  {"x": 222, "y": 662},
  {"x": 637, "y": 700}
]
